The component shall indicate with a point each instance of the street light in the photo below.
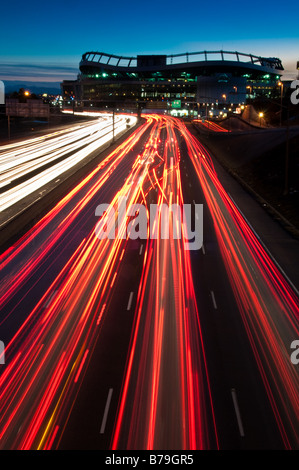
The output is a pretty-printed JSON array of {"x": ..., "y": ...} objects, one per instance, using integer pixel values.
[
  {"x": 281, "y": 94},
  {"x": 261, "y": 115}
]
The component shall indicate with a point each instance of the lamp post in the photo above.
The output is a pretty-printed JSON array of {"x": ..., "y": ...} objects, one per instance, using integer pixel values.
[
  {"x": 113, "y": 126},
  {"x": 286, "y": 171},
  {"x": 281, "y": 94},
  {"x": 261, "y": 115}
]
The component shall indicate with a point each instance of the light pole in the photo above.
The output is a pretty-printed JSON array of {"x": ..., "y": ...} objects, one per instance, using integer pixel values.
[
  {"x": 281, "y": 94},
  {"x": 286, "y": 171},
  {"x": 113, "y": 126},
  {"x": 261, "y": 115}
]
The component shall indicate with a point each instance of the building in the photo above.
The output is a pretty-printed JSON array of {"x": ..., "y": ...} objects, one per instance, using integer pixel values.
[{"x": 177, "y": 84}]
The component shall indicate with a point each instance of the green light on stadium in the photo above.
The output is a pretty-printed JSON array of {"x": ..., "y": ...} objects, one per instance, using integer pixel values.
[{"x": 176, "y": 104}]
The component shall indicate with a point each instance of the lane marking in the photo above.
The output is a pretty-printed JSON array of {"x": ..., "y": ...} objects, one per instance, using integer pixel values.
[
  {"x": 140, "y": 250},
  {"x": 103, "y": 425},
  {"x": 122, "y": 254},
  {"x": 101, "y": 313},
  {"x": 214, "y": 300},
  {"x": 130, "y": 300},
  {"x": 81, "y": 365},
  {"x": 237, "y": 411},
  {"x": 51, "y": 297},
  {"x": 111, "y": 285}
]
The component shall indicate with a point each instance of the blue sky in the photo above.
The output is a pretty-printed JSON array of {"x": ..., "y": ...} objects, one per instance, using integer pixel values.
[{"x": 44, "y": 41}]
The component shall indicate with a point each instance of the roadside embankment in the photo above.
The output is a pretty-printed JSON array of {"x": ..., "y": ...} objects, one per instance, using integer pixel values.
[{"x": 266, "y": 163}]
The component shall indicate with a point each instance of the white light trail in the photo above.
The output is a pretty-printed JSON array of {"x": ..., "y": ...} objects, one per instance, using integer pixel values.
[{"x": 33, "y": 155}]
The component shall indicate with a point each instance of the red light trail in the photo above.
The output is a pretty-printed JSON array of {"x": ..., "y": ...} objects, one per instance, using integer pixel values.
[{"x": 166, "y": 400}]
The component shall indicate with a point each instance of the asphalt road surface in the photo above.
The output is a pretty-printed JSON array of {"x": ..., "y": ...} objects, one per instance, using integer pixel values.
[{"x": 117, "y": 337}]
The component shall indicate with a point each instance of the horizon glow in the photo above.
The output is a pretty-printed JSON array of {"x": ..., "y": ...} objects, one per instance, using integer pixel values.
[{"x": 42, "y": 43}]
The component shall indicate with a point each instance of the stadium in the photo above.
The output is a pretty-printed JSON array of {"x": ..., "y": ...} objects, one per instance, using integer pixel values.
[{"x": 180, "y": 84}]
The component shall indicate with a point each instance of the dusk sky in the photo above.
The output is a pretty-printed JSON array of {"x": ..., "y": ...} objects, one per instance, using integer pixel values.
[{"x": 44, "y": 41}]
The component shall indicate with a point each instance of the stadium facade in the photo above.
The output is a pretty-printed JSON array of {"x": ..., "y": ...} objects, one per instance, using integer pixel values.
[{"x": 177, "y": 84}]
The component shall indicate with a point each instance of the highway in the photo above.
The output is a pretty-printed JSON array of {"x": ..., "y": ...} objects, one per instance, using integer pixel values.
[
  {"x": 139, "y": 343},
  {"x": 24, "y": 168}
]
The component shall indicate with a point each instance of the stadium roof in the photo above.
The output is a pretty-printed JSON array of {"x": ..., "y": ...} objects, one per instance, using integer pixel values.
[{"x": 198, "y": 62}]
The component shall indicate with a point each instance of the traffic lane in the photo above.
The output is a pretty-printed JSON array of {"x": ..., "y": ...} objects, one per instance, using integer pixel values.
[
  {"x": 103, "y": 175},
  {"x": 32, "y": 400},
  {"x": 231, "y": 363},
  {"x": 16, "y": 220},
  {"x": 233, "y": 391},
  {"x": 283, "y": 247},
  {"x": 106, "y": 400},
  {"x": 109, "y": 389},
  {"x": 22, "y": 162},
  {"x": 267, "y": 304},
  {"x": 133, "y": 403},
  {"x": 40, "y": 268},
  {"x": 90, "y": 424},
  {"x": 74, "y": 153},
  {"x": 168, "y": 385},
  {"x": 125, "y": 282},
  {"x": 80, "y": 302},
  {"x": 166, "y": 379},
  {"x": 65, "y": 302},
  {"x": 58, "y": 124}
]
